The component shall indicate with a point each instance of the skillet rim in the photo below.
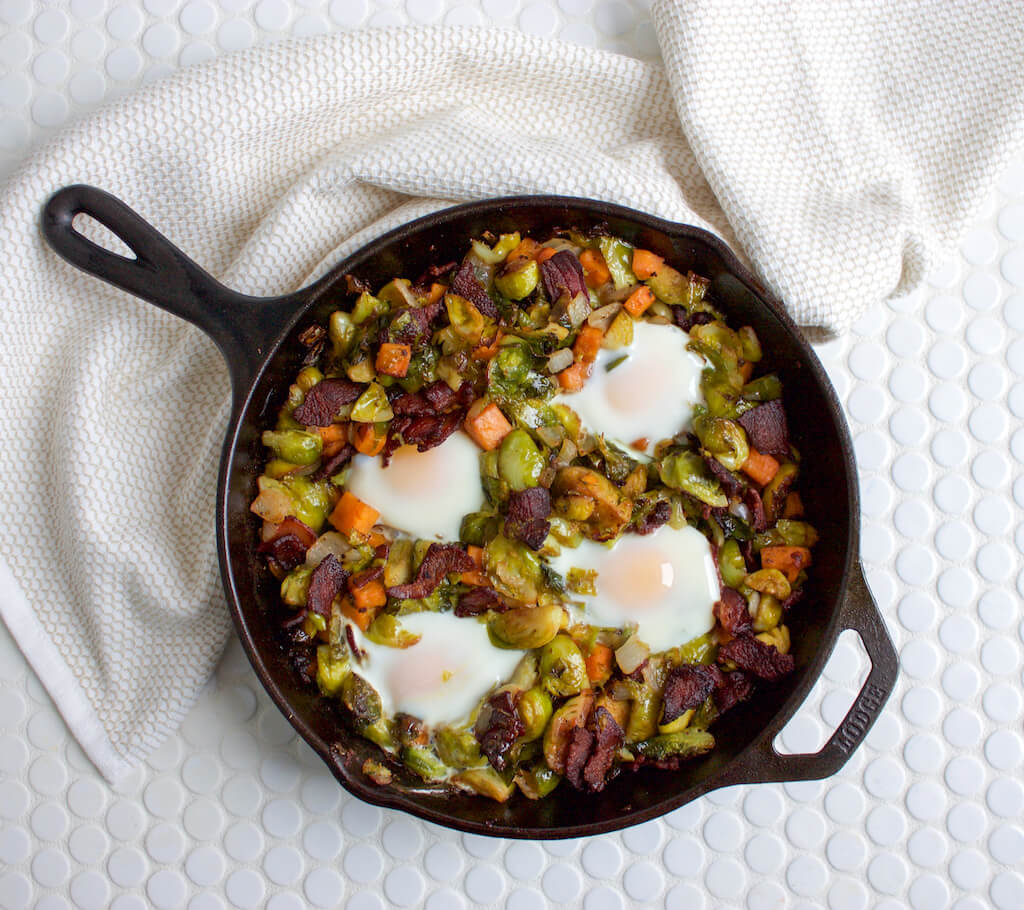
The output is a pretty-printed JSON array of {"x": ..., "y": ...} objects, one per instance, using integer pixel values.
[{"x": 385, "y": 797}]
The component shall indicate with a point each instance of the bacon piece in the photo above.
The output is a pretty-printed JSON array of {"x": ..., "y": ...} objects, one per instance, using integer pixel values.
[
  {"x": 466, "y": 284},
  {"x": 686, "y": 688},
  {"x": 779, "y": 499},
  {"x": 654, "y": 519},
  {"x": 440, "y": 559},
  {"x": 732, "y": 612},
  {"x": 527, "y": 519},
  {"x": 576, "y": 755},
  {"x": 766, "y": 428},
  {"x": 287, "y": 550},
  {"x": 687, "y": 321},
  {"x": 747, "y": 552},
  {"x": 412, "y": 404},
  {"x": 440, "y": 395},
  {"x": 324, "y": 400},
  {"x": 755, "y": 505},
  {"x": 434, "y": 272},
  {"x": 731, "y": 484},
  {"x": 562, "y": 274},
  {"x": 428, "y": 432},
  {"x": 479, "y": 600},
  {"x": 411, "y": 325},
  {"x": 735, "y": 687},
  {"x": 754, "y": 656},
  {"x": 335, "y": 463},
  {"x": 609, "y": 737},
  {"x": 326, "y": 582},
  {"x": 498, "y": 727}
]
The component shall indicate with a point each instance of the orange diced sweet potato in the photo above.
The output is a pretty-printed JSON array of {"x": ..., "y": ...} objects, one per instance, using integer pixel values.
[
  {"x": 475, "y": 576},
  {"x": 595, "y": 271},
  {"x": 361, "y": 616},
  {"x": 351, "y": 514},
  {"x": 646, "y": 264},
  {"x": 335, "y": 438},
  {"x": 599, "y": 663},
  {"x": 587, "y": 344},
  {"x": 369, "y": 595},
  {"x": 638, "y": 302},
  {"x": 571, "y": 379},
  {"x": 788, "y": 560},
  {"x": 366, "y": 439},
  {"x": 545, "y": 253},
  {"x": 759, "y": 468},
  {"x": 486, "y": 425},
  {"x": 393, "y": 359}
]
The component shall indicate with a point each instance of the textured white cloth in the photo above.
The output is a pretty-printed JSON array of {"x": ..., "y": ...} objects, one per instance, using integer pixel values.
[{"x": 269, "y": 166}]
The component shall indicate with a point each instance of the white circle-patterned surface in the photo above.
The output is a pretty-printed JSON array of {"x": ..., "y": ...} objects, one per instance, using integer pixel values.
[{"x": 235, "y": 811}]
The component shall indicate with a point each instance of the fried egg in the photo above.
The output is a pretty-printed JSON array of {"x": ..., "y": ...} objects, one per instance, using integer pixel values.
[
  {"x": 424, "y": 494},
  {"x": 664, "y": 583},
  {"x": 442, "y": 677},
  {"x": 638, "y": 395}
]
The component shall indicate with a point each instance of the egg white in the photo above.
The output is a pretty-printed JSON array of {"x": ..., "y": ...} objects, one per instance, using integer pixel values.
[
  {"x": 424, "y": 494},
  {"x": 664, "y": 583},
  {"x": 442, "y": 677},
  {"x": 648, "y": 396}
]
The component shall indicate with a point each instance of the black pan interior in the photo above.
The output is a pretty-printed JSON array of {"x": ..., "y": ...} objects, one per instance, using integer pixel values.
[{"x": 827, "y": 487}]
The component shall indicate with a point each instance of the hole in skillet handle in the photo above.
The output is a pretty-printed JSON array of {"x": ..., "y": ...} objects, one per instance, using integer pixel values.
[
  {"x": 155, "y": 270},
  {"x": 762, "y": 763}
]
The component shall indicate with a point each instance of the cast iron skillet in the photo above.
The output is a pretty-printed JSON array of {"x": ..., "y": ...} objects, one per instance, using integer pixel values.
[{"x": 258, "y": 340}]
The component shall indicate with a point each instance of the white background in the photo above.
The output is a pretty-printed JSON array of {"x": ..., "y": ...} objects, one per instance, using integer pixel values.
[{"x": 235, "y": 811}]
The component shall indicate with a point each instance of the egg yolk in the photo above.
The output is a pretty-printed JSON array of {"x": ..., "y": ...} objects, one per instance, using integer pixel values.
[
  {"x": 409, "y": 468},
  {"x": 425, "y": 671},
  {"x": 639, "y": 582},
  {"x": 626, "y": 385}
]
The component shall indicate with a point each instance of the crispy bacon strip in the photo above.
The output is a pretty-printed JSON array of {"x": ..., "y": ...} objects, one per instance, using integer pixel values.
[
  {"x": 736, "y": 687},
  {"x": 766, "y": 428},
  {"x": 754, "y": 656},
  {"x": 527, "y": 519},
  {"x": 327, "y": 581},
  {"x": 498, "y": 727},
  {"x": 466, "y": 284},
  {"x": 731, "y": 484},
  {"x": 440, "y": 559},
  {"x": 609, "y": 737},
  {"x": 654, "y": 519},
  {"x": 577, "y": 755},
  {"x": 479, "y": 600},
  {"x": 562, "y": 274},
  {"x": 324, "y": 400},
  {"x": 732, "y": 612},
  {"x": 687, "y": 686},
  {"x": 335, "y": 463}
]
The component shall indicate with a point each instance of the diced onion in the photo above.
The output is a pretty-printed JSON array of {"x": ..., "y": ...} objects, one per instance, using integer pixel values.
[
  {"x": 754, "y": 604},
  {"x": 327, "y": 544},
  {"x": 632, "y": 654},
  {"x": 550, "y": 436},
  {"x": 560, "y": 360},
  {"x": 273, "y": 505},
  {"x": 578, "y": 310},
  {"x": 740, "y": 510},
  {"x": 602, "y": 317}
]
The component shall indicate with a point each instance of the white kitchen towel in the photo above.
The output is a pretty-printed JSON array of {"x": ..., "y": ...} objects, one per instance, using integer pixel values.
[{"x": 798, "y": 145}]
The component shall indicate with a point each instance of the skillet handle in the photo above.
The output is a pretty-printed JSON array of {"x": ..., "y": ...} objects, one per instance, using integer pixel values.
[
  {"x": 243, "y": 327},
  {"x": 762, "y": 764}
]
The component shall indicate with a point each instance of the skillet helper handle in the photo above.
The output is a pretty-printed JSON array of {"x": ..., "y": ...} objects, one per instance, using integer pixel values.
[
  {"x": 763, "y": 764},
  {"x": 242, "y": 326}
]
